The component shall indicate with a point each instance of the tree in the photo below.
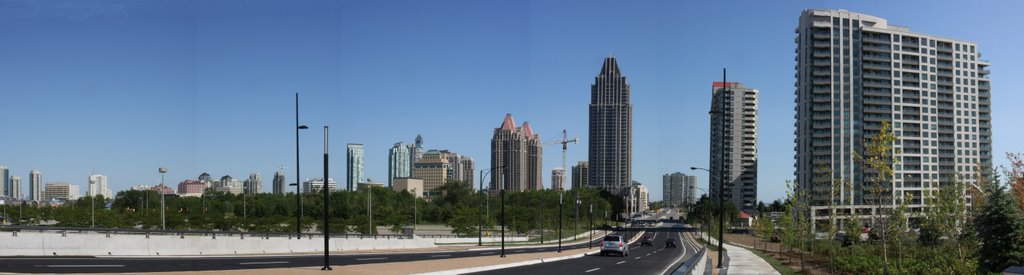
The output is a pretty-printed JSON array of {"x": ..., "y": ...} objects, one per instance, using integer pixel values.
[
  {"x": 1001, "y": 230},
  {"x": 878, "y": 159},
  {"x": 1016, "y": 177}
]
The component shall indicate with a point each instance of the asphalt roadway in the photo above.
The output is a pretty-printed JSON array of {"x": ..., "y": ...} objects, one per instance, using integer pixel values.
[
  {"x": 71, "y": 264},
  {"x": 656, "y": 259}
]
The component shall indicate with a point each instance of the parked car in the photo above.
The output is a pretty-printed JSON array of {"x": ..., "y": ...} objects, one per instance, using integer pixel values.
[
  {"x": 670, "y": 242},
  {"x": 615, "y": 244},
  {"x": 647, "y": 241}
]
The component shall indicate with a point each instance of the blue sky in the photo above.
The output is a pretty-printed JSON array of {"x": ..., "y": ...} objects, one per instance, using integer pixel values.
[{"x": 124, "y": 87}]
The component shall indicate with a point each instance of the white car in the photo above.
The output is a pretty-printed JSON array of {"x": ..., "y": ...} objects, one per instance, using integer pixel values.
[{"x": 615, "y": 244}]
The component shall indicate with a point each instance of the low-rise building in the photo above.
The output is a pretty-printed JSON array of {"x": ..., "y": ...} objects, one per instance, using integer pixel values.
[{"x": 411, "y": 185}]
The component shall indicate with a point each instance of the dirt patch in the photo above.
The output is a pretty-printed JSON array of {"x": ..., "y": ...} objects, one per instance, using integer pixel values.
[{"x": 805, "y": 263}]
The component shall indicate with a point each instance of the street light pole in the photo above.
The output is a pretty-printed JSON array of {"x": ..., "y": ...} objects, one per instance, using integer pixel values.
[
  {"x": 327, "y": 224},
  {"x": 591, "y": 241},
  {"x": 369, "y": 206},
  {"x": 163, "y": 207},
  {"x": 576, "y": 220},
  {"x": 92, "y": 208},
  {"x": 298, "y": 181},
  {"x": 415, "y": 205},
  {"x": 480, "y": 220},
  {"x": 560, "y": 195},
  {"x": 721, "y": 169},
  {"x": 503, "y": 222}
]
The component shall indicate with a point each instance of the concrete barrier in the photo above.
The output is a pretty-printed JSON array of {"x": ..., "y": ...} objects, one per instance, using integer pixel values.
[{"x": 99, "y": 244}]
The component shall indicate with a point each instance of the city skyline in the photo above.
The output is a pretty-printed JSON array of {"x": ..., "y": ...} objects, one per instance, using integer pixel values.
[{"x": 175, "y": 98}]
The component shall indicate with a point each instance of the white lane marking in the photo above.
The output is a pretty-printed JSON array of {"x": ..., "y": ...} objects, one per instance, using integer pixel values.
[
  {"x": 648, "y": 254},
  {"x": 256, "y": 263},
  {"x": 83, "y": 265},
  {"x": 487, "y": 253},
  {"x": 371, "y": 259},
  {"x": 592, "y": 270},
  {"x": 620, "y": 262},
  {"x": 438, "y": 256},
  {"x": 637, "y": 258}
]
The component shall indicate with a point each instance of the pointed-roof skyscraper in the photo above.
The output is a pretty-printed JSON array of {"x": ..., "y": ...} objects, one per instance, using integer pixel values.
[
  {"x": 517, "y": 153},
  {"x": 611, "y": 130}
]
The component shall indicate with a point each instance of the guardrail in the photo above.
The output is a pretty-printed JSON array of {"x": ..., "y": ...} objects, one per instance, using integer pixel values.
[{"x": 696, "y": 264}]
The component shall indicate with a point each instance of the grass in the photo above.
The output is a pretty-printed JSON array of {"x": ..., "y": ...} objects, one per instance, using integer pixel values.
[{"x": 781, "y": 268}]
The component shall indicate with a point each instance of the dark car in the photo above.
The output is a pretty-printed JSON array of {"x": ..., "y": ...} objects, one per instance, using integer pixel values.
[
  {"x": 670, "y": 243},
  {"x": 647, "y": 241}
]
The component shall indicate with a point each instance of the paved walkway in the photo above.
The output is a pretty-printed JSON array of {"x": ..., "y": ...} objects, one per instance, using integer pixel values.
[{"x": 742, "y": 261}]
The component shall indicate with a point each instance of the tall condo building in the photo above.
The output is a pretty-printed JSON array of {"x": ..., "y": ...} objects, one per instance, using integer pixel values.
[
  {"x": 467, "y": 166},
  {"x": 61, "y": 190},
  {"x": 280, "y": 184},
  {"x": 580, "y": 172},
  {"x": 558, "y": 178},
  {"x": 5, "y": 187},
  {"x": 254, "y": 184},
  {"x": 517, "y": 152},
  {"x": 677, "y": 189},
  {"x": 98, "y": 186},
  {"x": 460, "y": 167},
  {"x": 35, "y": 185},
  {"x": 15, "y": 187},
  {"x": 856, "y": 71},
  {"x": 433, "y": 169},
  {"x": 611, "y": 130},
  {"x": 356, "y": 161},
  {"x": 399, "y": 165},
  {"x": 736, "y": 127},
  {"x": 415, "y": 152},
  {"x": 317, "y": 185},
  {"x": 672, "y": 188}
]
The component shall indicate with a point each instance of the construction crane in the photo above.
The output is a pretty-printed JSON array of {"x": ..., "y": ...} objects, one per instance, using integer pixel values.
[{"x": 565, "y": 147}]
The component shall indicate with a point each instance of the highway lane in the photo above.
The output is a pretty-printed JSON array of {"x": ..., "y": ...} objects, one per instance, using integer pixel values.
[
  {"x": 641, "y": 260},
  {"x": 206, "y": 263}
]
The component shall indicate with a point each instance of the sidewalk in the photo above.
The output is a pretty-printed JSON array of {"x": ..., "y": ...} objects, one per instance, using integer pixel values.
[{"x": 742, "y": 261}]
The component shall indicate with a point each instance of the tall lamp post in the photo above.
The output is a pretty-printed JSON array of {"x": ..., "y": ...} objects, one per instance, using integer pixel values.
[
  {"x": 718, "y": 113},
  {"x": 560, "y": 195},
  {"x": 327, "y": 224},
  {"x": 591, "y": 241},
  {"x": 503, "y": 222},
  {"x": 415, "y": 214},
  {"x": 163, "y": 207},
  {"x": 576, "y": 220},
  {"x": 480, "y": 223},
  {"x": 298, "y": 181}
]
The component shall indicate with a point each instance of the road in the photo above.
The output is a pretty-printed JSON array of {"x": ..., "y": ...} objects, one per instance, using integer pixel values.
[
  {"x": 71, "y": 264},
  {"x": 641, "y": 260},
  {"x": 207, "y": 263}
]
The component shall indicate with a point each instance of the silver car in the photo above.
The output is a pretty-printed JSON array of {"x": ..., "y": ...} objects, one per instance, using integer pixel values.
[{"x": 615, "y": 244}]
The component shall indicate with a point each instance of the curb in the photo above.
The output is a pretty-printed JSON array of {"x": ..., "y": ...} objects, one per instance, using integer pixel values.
[{"x": 518, "y": 264}]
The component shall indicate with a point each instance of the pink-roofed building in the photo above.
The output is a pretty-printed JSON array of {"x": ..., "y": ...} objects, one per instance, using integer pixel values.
[{"x": 519, "y": 153}]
